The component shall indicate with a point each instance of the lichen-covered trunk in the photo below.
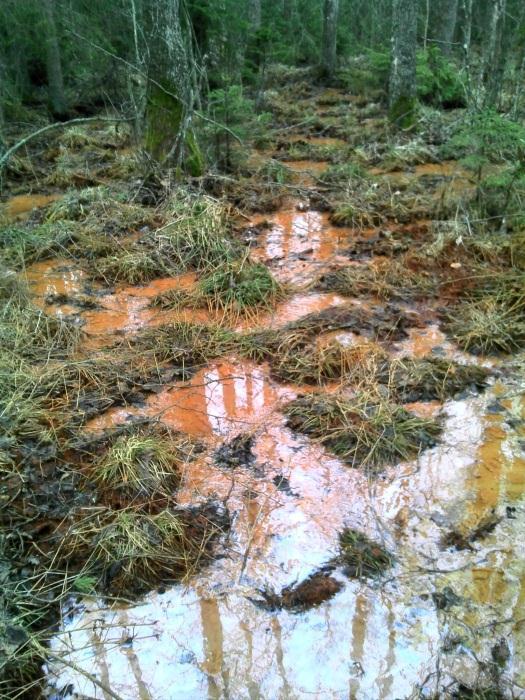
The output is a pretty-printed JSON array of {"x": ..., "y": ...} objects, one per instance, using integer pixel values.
[
  {"x": 494, "y": 55},
  {"x": 329, "y": 48},
  {"x": 402, "y": 88},
  {"x": 444, "y": 20},
  {"x": 168, "y": 135},
  {"x": 465, "y": 25},
  {"x": 55, "y": 80}
]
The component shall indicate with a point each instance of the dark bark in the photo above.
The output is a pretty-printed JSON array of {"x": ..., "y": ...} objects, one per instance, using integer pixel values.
[
  {"x": 329, "y": 48},
  {"x": 55, "y": 80},
  {"x": 443, "y": 23},
  {"x": 494, "y": 55},
  {"x": 402, "y": 92}
]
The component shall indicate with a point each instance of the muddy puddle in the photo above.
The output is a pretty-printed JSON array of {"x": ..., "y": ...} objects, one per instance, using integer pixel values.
[
  {"x": 297, "y": 244},
  {"x": 370, "y": 640},
  {"x": 451, "y": 518}
]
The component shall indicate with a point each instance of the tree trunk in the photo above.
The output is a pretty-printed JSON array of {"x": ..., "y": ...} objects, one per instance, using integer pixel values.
[
  {"x": 443, "y": 24},
  {"x": 254, "y": 14},
  {"x": 168, "y": 136},
  {"x": 55, "y": 80},
  {"x": 494, "y": 58},
  {"x": 329, "y": 48},
  {"x": 466, "y": 29},
  {"x": 2, "y": 119},
  {"x": 402, "y": 97}
]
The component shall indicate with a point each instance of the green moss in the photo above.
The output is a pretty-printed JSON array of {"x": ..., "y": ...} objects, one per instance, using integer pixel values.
[
  {"x": 164, "y": 122},
  {"x": 403, "y": 112}
]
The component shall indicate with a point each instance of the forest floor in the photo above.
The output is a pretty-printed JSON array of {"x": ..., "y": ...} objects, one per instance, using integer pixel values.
[{"x": 261, "y": 439}]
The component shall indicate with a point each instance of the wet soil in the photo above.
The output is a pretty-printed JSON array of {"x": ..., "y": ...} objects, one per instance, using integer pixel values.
[{"x": 267, "y": 619}]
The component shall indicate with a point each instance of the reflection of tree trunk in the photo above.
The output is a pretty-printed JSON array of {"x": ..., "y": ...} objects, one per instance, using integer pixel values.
[
  {"x": 168, "y": 132},
  {"x": 444, "y": 24},
  {"x": 402, "y": 96},
  {"x": 55, "y": 79},
  {"x": 494, "y": 59},
  {"x": 329, "y": 49}
]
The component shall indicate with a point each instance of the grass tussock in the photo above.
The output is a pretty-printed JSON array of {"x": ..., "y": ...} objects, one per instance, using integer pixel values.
[
  {"x": 384, "y": 279},
  {"x": 361, "y": 203},
  {"x": 299, "y": 359},
  {"x": 101, "y": 209},
  {"x": 361, "y": 556},
  {"x": 240, "y": 285},
  {"x": 139, "y": 465},
  {"x": 23, "y": 245},
  {"x": 429, "y": 379},
  {"x": 129, "y": 551},
  {"x": 198, "y": 236},
  {"x": 488, "y": 325},
  {"x": 26, "y": 331},
  {"x": 130, "y": 267},
  {"x": 367, "y": 431},
  {"x": 185, "y": 344}
]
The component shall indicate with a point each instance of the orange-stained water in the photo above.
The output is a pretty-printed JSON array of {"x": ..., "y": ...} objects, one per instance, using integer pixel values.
[
  {"x": 300, "y": 243},
  {"x": 25, "y": 203},
  {"x": 222, "y": 399}
]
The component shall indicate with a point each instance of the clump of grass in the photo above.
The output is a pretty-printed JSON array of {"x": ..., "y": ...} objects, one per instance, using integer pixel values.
[
  {"x": 22, "y": 245},
  {"x": 488, "y": 325},
  {"x": 355, "y": 216},
  {"x": 385, "y": 279},
  {"x": 365, "y": 203},
  {"x": 77, "y": 204},
  {"x": 428, "y": 379},
  {"x": 185, "y": 344},
  {"x": 130, "y": 266},
  {"x": 240, "y": 285},
  {"x": 401, "y": 155},
  {"x": 175, "y": 299},
  {"x": 367, "y": 431},
  {"x": 198, "y": 237},
  {"x": 300, "y": 360},
  {"x": 276, "y": 172},
  {"x": 343, "y": 173},
  {"x": 454, "y": 240},
  {"x": 361, "y": 556},
  {"x": 27, "y": 331},
  {"x": 130, "y": 551},
  {"x": 139, "y": 464}
]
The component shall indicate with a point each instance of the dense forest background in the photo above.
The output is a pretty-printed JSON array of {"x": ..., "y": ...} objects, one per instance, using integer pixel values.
[{"x": 193, "y": 74}]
